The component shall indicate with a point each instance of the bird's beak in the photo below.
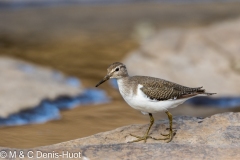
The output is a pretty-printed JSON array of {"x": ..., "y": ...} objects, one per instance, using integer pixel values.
[{"x": 103, "y": 80}]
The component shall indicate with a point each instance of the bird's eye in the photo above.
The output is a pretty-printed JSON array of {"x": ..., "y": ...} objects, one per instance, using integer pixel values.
[{"x": 117, "y": 69}]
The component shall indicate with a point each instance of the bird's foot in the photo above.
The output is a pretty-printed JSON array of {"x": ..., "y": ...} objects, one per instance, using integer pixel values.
[
  {"x": 139, "y": 138},
  {"x": 167, "y": 137}
]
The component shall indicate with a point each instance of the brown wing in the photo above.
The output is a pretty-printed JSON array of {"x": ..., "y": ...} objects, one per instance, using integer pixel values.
[{"x": 159, "y": 89}]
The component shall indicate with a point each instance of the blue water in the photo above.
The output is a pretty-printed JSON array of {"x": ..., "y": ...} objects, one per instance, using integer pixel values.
[
  {"x": 50, "y": 110},
  {"x": 219, "y": 102}
]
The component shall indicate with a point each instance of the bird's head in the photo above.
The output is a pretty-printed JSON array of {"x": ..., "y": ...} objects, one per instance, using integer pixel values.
[{"x": 115, "y": 70}]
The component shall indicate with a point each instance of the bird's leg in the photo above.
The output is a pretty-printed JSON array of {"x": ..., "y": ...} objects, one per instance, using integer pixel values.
[
  {"x": 169, "y": 136},
  {"x": 146, "y": 136}
]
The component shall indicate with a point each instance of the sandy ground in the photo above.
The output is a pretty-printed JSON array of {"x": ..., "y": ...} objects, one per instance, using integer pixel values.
[{"x": 82, "y": 41}]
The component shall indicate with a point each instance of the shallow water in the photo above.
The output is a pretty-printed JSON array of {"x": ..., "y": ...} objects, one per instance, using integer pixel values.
[
  {"x": 49, "y": 110},
  {"x": 82, "y": 41}
]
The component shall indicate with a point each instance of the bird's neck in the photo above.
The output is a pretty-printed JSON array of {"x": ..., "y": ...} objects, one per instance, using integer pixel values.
[
  {"x": 122, "y": 81},
  {"x": 124, "y": 86}
]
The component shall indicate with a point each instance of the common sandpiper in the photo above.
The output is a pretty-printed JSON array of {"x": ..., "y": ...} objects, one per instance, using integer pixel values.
[{"x": 150, "y": 95}]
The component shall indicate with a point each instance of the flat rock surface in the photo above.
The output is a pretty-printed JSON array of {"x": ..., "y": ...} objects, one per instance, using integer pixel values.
[
  {"x": 207, "y": 57},
  {"x": 24, "y": 85},
  {"x": 215, "y": 137}
]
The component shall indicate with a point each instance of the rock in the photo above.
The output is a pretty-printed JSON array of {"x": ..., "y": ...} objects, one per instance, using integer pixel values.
[
  {"x": 206, "y": 57},
  {"x": 215, "y": 137},
  {"x": 24, "y": 85}
]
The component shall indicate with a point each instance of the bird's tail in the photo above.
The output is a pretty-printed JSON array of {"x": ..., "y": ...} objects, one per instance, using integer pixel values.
[{"x": 202, "y": 91}]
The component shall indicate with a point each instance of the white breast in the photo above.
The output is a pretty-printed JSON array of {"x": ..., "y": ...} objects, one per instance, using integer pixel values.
[{"x": 141, "y": 102}]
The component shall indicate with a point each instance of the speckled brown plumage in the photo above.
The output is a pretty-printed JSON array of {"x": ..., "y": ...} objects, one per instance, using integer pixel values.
[
  {"x": 153, "y": 88},
  {"x": 159, "y": 89}
]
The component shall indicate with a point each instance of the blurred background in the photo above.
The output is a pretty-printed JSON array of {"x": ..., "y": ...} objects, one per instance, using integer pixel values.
[{"x": 53, "y": 53}]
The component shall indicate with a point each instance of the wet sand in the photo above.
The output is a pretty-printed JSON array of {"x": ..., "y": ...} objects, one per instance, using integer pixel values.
[{"x": 82, "y": 41}]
